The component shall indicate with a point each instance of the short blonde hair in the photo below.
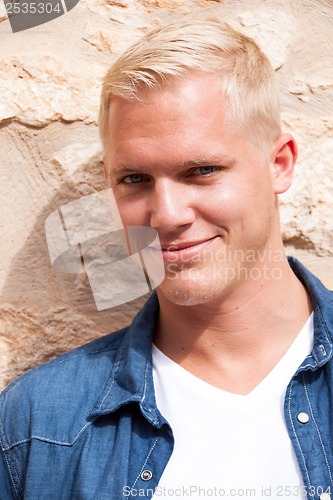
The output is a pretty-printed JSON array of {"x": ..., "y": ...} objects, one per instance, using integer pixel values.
[{"x": 171, "y": 51}]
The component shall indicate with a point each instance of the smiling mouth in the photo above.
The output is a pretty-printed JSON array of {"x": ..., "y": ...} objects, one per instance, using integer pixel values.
[
  {"x": 184, "y": 252},
  {"x": 173, "y": 247}
]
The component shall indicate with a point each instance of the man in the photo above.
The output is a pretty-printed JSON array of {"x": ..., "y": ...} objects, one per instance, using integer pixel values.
[{"x": 222, "y": 384}]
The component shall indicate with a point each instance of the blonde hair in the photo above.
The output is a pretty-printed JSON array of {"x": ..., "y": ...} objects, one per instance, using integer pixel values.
[{"x": 247, "y": 77}]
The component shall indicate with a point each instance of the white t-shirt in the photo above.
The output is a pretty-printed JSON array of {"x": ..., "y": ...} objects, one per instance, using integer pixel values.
[{"x": 229, "y": 444}]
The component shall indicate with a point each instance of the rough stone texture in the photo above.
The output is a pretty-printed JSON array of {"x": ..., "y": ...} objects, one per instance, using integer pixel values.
[{"x": 50, "y": 152}]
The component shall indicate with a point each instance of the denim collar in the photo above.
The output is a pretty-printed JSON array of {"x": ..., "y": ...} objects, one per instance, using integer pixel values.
[
  {"x": 322, "y": 304},
  {"x": 131, "y": 379}
]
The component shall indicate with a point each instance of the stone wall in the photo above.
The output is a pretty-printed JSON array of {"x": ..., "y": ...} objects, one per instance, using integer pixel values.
[{"x": 50, "y": 152}]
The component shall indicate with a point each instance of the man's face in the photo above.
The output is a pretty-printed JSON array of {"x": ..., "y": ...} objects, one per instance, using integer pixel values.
[{"x": 176, "y": 164}]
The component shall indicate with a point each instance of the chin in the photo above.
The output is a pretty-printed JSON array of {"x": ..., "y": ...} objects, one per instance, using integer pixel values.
[{"x": 187, "y": 294}]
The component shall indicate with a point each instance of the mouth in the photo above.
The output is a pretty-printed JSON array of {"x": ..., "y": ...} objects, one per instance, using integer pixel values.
[{"x": 184, "y": 251}]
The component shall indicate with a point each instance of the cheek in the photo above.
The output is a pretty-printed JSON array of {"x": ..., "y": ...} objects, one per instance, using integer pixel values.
[
  {"x": 228, "y": 202},
  {"x": 132, "y": 212},
  {"x": 245, "y": 204}
]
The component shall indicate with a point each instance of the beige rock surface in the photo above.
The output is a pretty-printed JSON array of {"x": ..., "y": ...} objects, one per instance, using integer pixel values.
[{"x": 50, "y": 80}]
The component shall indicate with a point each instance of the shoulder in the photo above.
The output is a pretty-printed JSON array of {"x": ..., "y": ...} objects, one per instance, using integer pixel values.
[
  {"x": 98, "y": 354},
  {"x": 55, "y": 402},
  {"x": 64, "y": 388}
]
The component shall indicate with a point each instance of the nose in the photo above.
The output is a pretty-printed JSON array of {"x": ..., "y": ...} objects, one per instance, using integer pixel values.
[{"x": 170, "y": 205}]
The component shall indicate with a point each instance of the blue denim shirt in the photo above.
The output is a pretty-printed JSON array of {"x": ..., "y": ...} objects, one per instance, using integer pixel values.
[{"x": 85, "y": 426}]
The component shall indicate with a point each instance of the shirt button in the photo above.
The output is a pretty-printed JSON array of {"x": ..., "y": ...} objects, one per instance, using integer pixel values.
[
  {"x": 146, "y": 475},
  {"x": 304, "y": 418},
  {"x": 325, "y": 496}
]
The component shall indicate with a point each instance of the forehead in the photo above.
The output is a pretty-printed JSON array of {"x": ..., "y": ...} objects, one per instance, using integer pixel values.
[
  {"x": 179, "y": 98},
  {"x": 184, "y": 119}
]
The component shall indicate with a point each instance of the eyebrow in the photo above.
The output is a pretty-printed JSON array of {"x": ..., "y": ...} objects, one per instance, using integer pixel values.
[
  {"x": 211, "y": 161},
  {"x": 197, "y": 162}
]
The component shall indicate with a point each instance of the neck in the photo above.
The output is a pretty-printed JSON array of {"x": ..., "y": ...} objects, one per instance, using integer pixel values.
[{"x": 254, "y": 321}]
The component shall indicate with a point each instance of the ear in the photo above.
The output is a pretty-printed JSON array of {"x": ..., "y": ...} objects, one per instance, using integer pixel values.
[{"x": 283, "y": 160}]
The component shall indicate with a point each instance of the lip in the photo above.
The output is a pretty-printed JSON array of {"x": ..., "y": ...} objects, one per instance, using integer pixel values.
[{"x": 185, "y": 251}]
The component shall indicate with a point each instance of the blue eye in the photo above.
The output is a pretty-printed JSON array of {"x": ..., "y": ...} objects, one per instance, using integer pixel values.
[
  {"x": 206, "y": 170},
  {"x": 133, "y": 179}
]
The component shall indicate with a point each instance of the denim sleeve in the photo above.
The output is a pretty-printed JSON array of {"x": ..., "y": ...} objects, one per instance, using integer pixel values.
[{"x": 6, "y": 487}]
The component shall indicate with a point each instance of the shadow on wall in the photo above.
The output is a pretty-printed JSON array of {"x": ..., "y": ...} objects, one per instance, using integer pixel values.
[{"x": 45, "y": 313}]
